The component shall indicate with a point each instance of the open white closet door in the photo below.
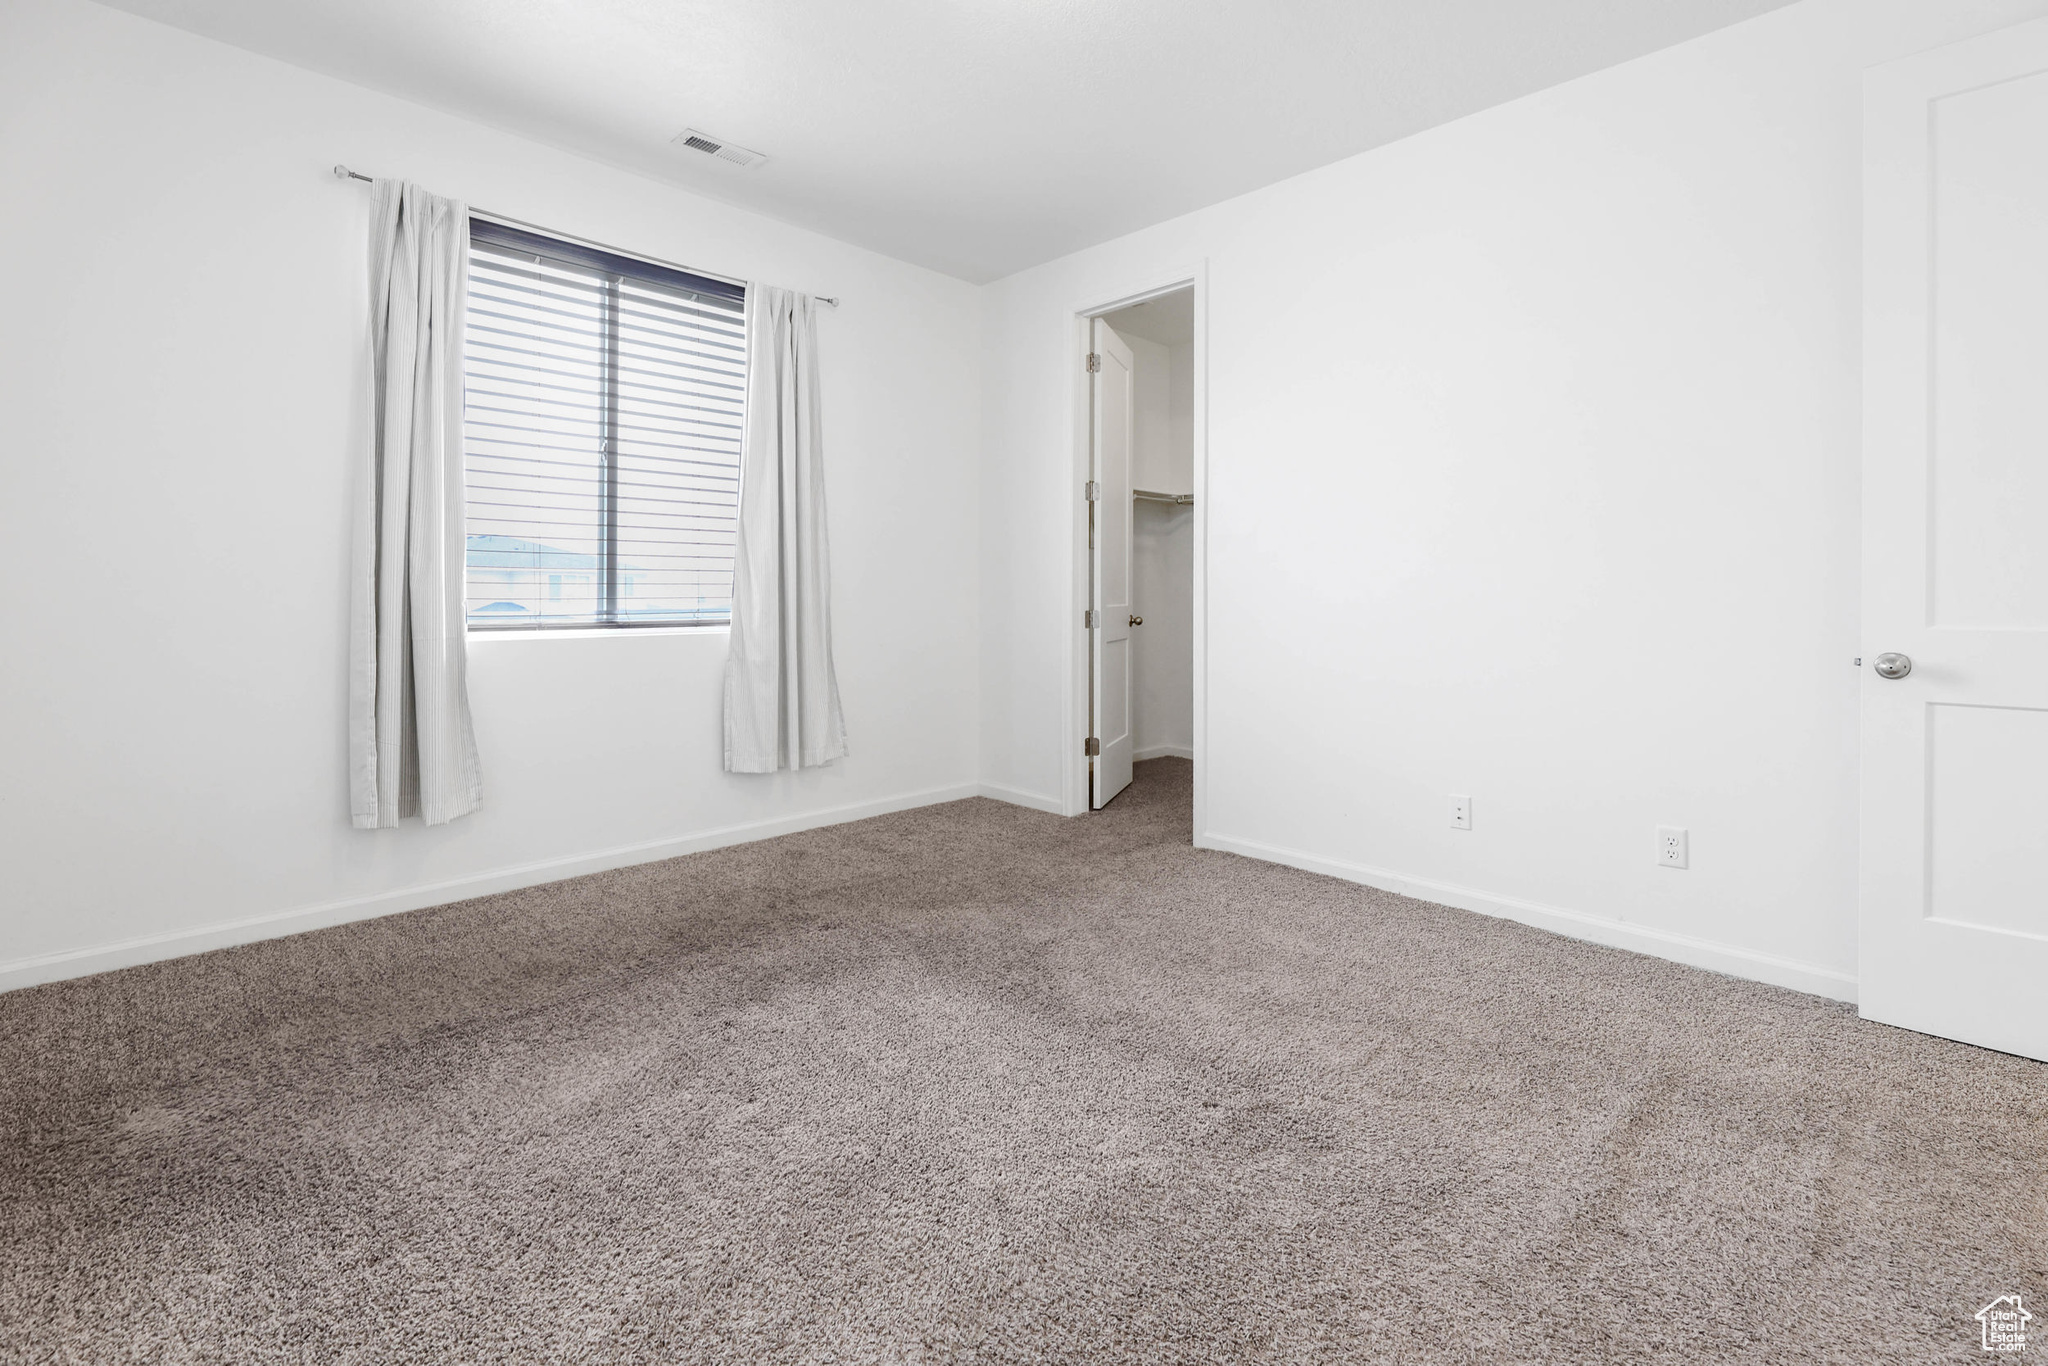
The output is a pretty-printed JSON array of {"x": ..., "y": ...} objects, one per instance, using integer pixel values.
[
  {"x": 1109, "y": 543},
  {"x": 1954, "y": 879}
]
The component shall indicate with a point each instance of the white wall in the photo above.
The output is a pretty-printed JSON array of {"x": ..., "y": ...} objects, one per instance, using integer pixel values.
[
  {"x": 1532, "y": 448},
  {"x": 1180, "y": 417},
  {"x": 1151, "y": 425},
  {"x": 178, "y": 417},
  {"x": 1533, "y": 451},
  {"x": 1162, "y": 550},
  {"x": 1162, "y": 650}
]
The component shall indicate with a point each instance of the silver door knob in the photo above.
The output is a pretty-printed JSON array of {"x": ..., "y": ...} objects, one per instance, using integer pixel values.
[
  {"x": 1137, "y": 621},
  {"x": 1892, "y": 665}
]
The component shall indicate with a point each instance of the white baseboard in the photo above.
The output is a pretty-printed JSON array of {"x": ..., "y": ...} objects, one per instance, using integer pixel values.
[
  {"x": 1163, "y": 752},
  {"x": 1701, "y": 953},
  {"x": 1018, "y": 797},
  {"x": 28, "y": 972},
  {"x": 1679, "y": 948}
]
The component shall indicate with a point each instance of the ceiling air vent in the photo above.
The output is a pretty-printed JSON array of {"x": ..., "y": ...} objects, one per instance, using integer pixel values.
[{"x": 718, "y": 147}]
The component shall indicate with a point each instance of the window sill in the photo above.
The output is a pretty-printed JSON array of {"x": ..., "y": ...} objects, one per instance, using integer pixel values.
[{"x": 602, "y": 633}]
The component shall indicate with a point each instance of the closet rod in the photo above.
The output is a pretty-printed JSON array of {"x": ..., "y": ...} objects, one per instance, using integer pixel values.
[
  {"x": 1151, "y": 496},
  {"x": 344, "y": 173}
]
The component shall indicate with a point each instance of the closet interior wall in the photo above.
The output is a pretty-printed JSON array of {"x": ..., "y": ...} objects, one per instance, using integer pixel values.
[{"x": 1162, "y": 548}]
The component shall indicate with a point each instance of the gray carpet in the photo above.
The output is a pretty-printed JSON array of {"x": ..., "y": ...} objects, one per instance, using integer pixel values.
[{"x": 976, "y": 1084}]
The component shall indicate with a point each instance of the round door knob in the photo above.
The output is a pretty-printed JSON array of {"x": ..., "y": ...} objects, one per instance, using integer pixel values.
[
  {"x": 1892, "y": 665},
  {"x": 1137, "y": 621}
]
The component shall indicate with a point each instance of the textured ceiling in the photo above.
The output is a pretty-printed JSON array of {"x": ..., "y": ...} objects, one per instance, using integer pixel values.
[{"x": 976, "y": 137}]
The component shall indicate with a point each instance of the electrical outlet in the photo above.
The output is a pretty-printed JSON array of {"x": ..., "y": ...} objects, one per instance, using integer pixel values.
[
  {"x": 1461, "y": 812},
  {"x": 1671, "y": 846}
]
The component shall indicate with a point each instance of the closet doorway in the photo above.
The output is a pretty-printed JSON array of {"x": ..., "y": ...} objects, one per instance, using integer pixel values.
[{"x": 1141, "y": 494}]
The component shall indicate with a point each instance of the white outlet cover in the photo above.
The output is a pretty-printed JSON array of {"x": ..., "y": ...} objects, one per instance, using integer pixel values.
[
  {"x": 1673, "y": 849},
  {"x": 1461, "y": 812}
]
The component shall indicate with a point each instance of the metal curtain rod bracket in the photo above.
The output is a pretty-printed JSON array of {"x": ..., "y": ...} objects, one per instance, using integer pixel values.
[
  {"x": 344, "y": 173},
  {"x": 1153, "y": 496}
]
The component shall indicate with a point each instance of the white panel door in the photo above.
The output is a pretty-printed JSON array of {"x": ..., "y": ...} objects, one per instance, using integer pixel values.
[
  {"x": 1109, "y": 523},
  {"x": 1954, "y": 877}
]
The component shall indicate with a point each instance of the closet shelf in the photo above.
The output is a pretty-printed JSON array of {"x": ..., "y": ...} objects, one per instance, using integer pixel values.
[{"x": 1154, "y": 496}]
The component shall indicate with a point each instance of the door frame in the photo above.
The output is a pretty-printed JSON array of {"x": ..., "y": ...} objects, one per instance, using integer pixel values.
[{"x": 1135, "y": 289}]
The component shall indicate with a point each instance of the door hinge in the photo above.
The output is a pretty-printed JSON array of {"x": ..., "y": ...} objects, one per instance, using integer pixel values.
[
  {"x": 1092, "y": 491},
  {"x": 1091, "y": 747},
  {"x": 1090, "y": 620},
  {"x": 1094, "y": 363}
]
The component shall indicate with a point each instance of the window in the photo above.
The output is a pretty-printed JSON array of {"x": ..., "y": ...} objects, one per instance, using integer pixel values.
[{"x": 602, "y": 426}]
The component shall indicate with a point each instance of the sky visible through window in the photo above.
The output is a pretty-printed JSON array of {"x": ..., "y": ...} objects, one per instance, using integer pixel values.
[{"x": 565, "y": 364}]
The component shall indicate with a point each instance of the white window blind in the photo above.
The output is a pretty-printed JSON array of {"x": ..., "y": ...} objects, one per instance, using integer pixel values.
[{"x": 602, "y": 430}]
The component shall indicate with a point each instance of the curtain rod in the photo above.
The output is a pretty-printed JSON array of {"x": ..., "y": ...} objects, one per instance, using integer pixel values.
[{"x": 344, "y": 173}]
